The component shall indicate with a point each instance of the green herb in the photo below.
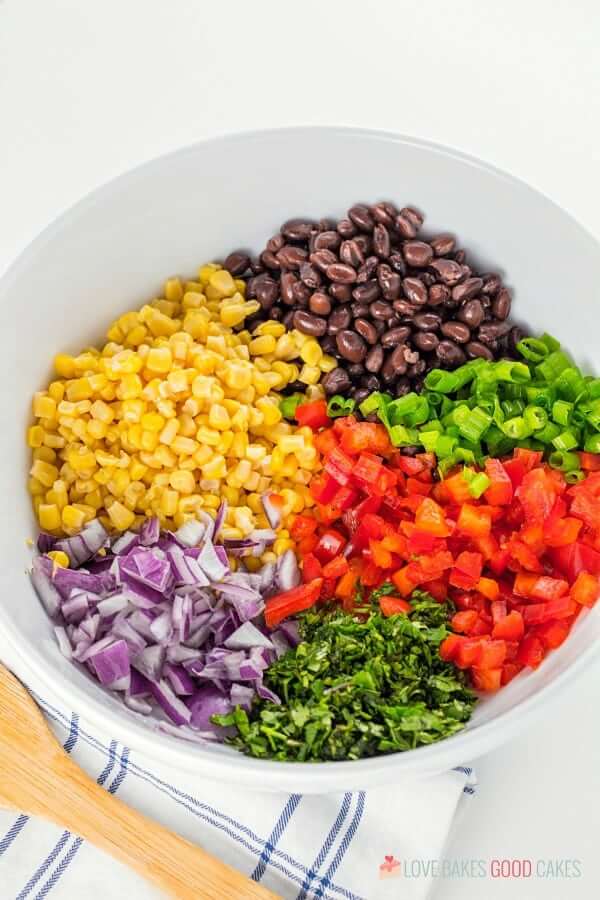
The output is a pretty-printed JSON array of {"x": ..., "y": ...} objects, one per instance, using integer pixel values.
[
  {"x": 340, "y": 406},
  {"x": 288, "y": 405},
  {"x": 358, "y": 685}
]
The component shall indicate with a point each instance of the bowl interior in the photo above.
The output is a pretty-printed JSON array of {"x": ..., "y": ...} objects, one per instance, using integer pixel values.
[{"x": 113, "y": 251}]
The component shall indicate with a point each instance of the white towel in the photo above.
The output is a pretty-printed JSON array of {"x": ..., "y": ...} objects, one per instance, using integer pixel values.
[{"x": 337, "y": 847}]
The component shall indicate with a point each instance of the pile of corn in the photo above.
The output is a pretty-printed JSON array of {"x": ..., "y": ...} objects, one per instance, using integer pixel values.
[{"x": 176, "y": 412}]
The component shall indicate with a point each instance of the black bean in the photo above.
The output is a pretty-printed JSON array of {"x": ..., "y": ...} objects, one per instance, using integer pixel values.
[
  {"x": 360, "y": 215},
  {"x": 320, "y": 304},
  {"x": 371, "y": 382},
  {"x": 491, "y": 284},
  {"x": 469, "y": 288},
  {"x": 374, "y": 359},
  {"x": 456, "y": 331},
  {"x": 384, "y": 213},
  {"x": 415, "y": 290},
  {"x": 379, "y": 309},
  {"x": 404, "y": 309},
  {"x": 340, "y": 292},
  {"x": 336, "y": 382},
  {"x": 501, "y": 304},
  {"x": 516, "y": 334},
  {"x": 322, "y": 259},
  {"x": 309, "y": 324},
  {"x": 287, "y": 320},
  {"x": 460, "y": 256},
  {"x": 356, "y": 371},
  {"x": 269, "y": 260},
  {"x": 443, "y": 244},
  {"x": 416, "y": 369},
  {"x": 301, "y": 293},
  {"x": 351, "y": 253},
  {"x": 395, "y": 336},
  {"x": 360, "y": 394},
  {"x": 275, "y": 243},
  {"x": 266, "y": 290},
  {"x": 367, "y": 270},
  {"x": 427, "y": 321},
  {"x": 297, "y": 229},
  {"x": 382, "y": 244},
  {"x": 425, "y": 341},
  {"x": 367, "y": 330},
  {"x": 237, "y": 263},
  {"x": 367, "y": 292},
  {"x": 288, "y": 280},
  {"x": 310, "y": 276},
  {"x": 341, "y": 273},
  {"x": 450, "y": 354},
  {"x": 327, "y": 240},
  {"x": 448, "y": 271},
  {"x": 491, "y": 331},
  {"x": 475, "y": 349},
  {"x": 396, "y": 261},
  {"x": 390, "y": 282},
  {"x": 339, "y": 320},
  {"x": 351, "y": 346},
  {"x": 471, "y": 313},
  {"x": 403, "y": 387},
  {"x": 291, "y": 257},
  {"x": 394, "y": 365},
  {"x": 417, "y": 254},
  {"x": 346, "y": 228},
  {"x": 438, "y": 294}
]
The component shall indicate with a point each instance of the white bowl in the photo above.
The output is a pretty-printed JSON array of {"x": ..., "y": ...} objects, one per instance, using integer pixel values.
[{"x": 113, "y": 250}]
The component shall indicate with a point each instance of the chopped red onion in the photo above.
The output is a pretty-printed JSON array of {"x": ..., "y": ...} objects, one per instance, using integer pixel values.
[
  {"x": 272, "y": 505},
  {"x": 246, "y": 636}
]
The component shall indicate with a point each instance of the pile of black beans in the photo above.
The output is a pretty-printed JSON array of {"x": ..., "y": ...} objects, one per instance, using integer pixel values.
[{"x": 388, "y": 303}]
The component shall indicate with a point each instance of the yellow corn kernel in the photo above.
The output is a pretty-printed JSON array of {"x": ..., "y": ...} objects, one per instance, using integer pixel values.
[
  {"x": 72, "y": 518},
  {"x": 168, "y": 502},
  {"x": 217, "y": 344},
  {"x": 309, "y": 374},
  {"x": 121, "y": 517},
  {"x": 81, "y": 459},
  {"x": 184, "y": 445},
  {"x": 89, "y": 512},
  {"x": 58, "y": 557},
  {"x": 182, "y": 481},
  {"x": 219, "y": 418},
  {"x": 215, "y": 467},
  {"x": 79, "y": 389},
  {"x": 169, "y": 432},
  {"x": 291, "y": 443},
  {"x": 36, "y": 488},
  {"x": 270, "y": 411},
  {"x": 311, "y": 353},
  {"x": 44, "y": 407},
  {"x": 243, "y": 519},
  {"x": 101, "y": 411},
  {"x": 94, "y": 499},
  {"x": 205, "y": 271},
  {"x": 54, "y": 441},
  {"x": 129, "y": 387},
  {"x": 263, "y": 345},
  {"x": 159, "y": 360},
  {"x": 149, "y": 441},
  {"x": 315, "y": 392},
  {"x": 281, "y": 545},
  {"x": 35, "y": 436},
  {"x": 272, "y": 327},
  {"x": 119, "y": 483},
  {"x": 96, "y": 429},
  {"x": 231, "y": 494},
  {"x": 165, "y": 456},
  {"x": 64, "y": 365},
  {"x": 252, "y": 481},
  {"x": 56, "y": 389},
  {"x": 44, "y": 472},
  {"x": 152, "y": 422},
  {"x": 45, "y": 453},
  {"x": 222, "y": 282},
  {"x": 327, "y": 363},
  {"x": 173, "y": 290}
]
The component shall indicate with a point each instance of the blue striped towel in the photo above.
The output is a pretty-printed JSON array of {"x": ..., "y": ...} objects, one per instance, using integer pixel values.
[{"x": 303, "y": 847}]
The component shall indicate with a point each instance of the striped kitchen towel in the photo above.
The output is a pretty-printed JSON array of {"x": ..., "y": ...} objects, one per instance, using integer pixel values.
[{"x": 335, "y": 847}]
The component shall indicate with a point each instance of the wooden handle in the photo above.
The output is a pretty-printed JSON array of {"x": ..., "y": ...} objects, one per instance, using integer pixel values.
[{"x": 179, "y": 868}]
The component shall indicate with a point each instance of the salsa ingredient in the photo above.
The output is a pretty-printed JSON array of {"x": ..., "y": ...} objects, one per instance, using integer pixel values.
[
  {"x": 387, "y": 302},
  {"x": 487, "y": 408},
  {"x": 358, "y": 684},
  {"x": 174, "y": 414},
  {"x": 164, "y": 621}
]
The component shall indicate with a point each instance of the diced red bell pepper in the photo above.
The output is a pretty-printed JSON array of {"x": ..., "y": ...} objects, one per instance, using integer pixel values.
[
  {"x": 560, "y": 608},
  {"x": 498, "y": 563},
  {"x": 589, "y": 462},
  {"x": 410, "y": 465},
  {"x": 324, "y": 488},
  {"x": 331, "y": 543},
  {"x": 585, "y": 589},
  {"x": 420, "y": 541},
  {"x": 372, "y": 575},
  {"x": 449, "y": 647},
  {"x": 403, "y": 582},
  {"x": 489, "y": 588},
  {"x": 561, "y": 532},
  {"x": 379, "y": 555},
  {"x": 553, "y": 634},
  {"x": 585, "y": 506},
  {"x": 468, "y": 652},
  {"x": 325, "y": 441},
  {"x": 311, "y": 567},
  {"x": 474, "y": 521},
  {"x": 430, "y": 518},
  {"x": 535, "y": 614},
  {"x": 313, "y": 414},
  {"x": 345, "y": 499},
  {"x": 498, "y": 610},
  {"x": 524, "y": 556},
  {"x": 463, "y": 621},
  {"x": 428, "y": 568},
  {"x": 303, "y": 526},
  {"x": 457, "y": 488},
  {"x": 509, "y": 671},
  {"x": 500, "y": 491},
  {"x": 307, "y": 545},
  {"x": 481, "y": 627},
  {"x": 576, "y": 558},
  {"x": 539, "y": 587},
  {"x": 353, "y": 517},
  {"x": 509, "y": 628},
  {"x": 438, "y": 589},
  {"x": 529, "y": 458},
  {"x": 486, "y": 680},
  {"x": 531, "y": 651},
  {"x": 328, "y": 589},
  {"x": 339, "y": 466},
  {"x": 491, "y": 654},
  {"x": 367, "y": 436},
  {"x": 286, "y": 604},
  {"x": 336, "y": 567},
  {"x": 537, "y": 494},
  {"x": 390, "y": 606},
  {"x": 515, "y": 469},
  {"x": 466, "y": 571},
  {"x": 396, "y": 543},
  {"x": 368, "y": 469}
]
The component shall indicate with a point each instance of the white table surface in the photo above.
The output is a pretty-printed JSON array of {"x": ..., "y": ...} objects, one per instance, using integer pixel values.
[{"x": 89, "y": 89}]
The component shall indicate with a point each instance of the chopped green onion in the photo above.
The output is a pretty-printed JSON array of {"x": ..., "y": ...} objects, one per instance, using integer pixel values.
[
  {"x": 574, "y": 476},
  {"x": 288, "y": 405},
  {"x": 441, "y": 382},
  {"x": 570, "y": 384},
  {"x": 566, "y": 440},
  {"x": 561, "y": 412},
  {"x": 547, "y": 434},
  {"x": 563, "y": 460},
  {"x": 551, "y": 343},
  {"x": 592, "y": 443},
  {"x": 535, "y": 417},
  {"x": 372, "y": 403},
  {"x": 553, "y": 365},
  {"x": 429, "y": 440},
  {"x": 340, "y": 406},
  {"x": 475, "y": 424},
  {"x": 445, "y": 446},
  {"x": 532, "y": 349},
  {"x": 516, "y": 428},
  {"x": 478, "y": 484},
  {"x": 403, "y": 437},
  {"x": 506, "y": 370}
]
